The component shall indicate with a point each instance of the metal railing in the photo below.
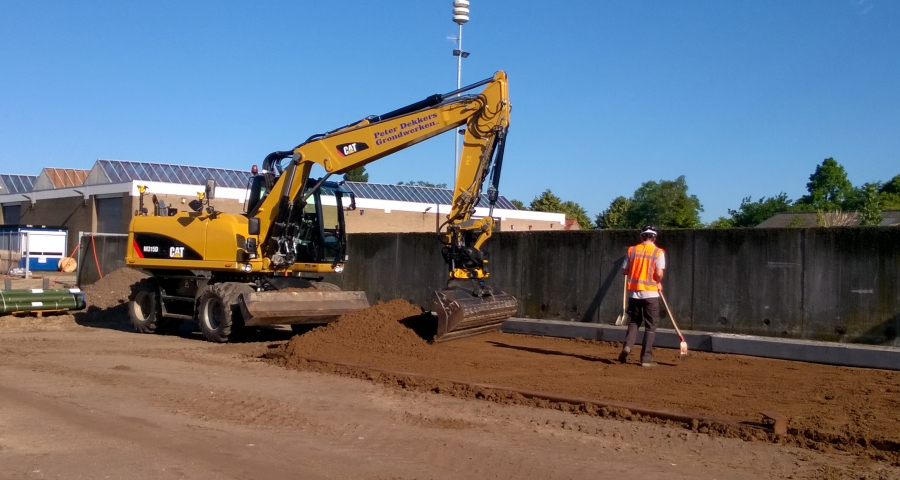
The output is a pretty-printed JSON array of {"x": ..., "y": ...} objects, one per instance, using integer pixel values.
[{"x": 11, "y": 253}]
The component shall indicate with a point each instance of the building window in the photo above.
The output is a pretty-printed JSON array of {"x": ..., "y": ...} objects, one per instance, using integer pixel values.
[
  {"x": 109, "y": 215},
  {"x": 12, "y": 213}
]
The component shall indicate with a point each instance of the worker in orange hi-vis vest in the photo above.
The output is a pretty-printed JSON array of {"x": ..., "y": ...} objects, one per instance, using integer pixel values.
[{"x": 643, "y": 268}]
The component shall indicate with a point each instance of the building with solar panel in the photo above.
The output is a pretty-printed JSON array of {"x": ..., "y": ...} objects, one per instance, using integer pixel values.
[{"x": 106, "y": 197}]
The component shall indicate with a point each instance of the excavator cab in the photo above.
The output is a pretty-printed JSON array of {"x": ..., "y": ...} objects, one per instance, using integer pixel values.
[
  {"x": 314, "y": 234},
  {"x": 322, "y": 235}
]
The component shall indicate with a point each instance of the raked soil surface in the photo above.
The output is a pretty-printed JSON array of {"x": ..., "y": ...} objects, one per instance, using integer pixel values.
[
  {"x": 83, "y": 397},
  {"x": 828, "y": 407}
]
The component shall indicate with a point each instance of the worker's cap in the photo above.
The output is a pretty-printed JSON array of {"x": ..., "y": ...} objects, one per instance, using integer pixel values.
[{"x": 648, "y": 231}]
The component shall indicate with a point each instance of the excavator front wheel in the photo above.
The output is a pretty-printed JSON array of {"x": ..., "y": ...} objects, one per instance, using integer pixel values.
[
  {"x": 218, "y": 310},
  {"x": 144, "y": 310}
]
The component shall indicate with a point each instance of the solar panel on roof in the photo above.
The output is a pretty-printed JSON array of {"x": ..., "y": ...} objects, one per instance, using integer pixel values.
[
  {"x": 18, "y": 183},
  {"x": 124, "y": 171}
]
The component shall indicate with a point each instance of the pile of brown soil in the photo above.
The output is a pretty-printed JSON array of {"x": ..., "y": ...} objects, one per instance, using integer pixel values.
[
  {"x": 113, "y": 289},
  {"x": 107, "y": 299},
  {"x": 376, "y": 332}
]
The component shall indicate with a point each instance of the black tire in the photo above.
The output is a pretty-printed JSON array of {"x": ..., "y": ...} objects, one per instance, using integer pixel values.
[
  {"x": 218, "y": 310},
  {"x": 144, "y": 310}
]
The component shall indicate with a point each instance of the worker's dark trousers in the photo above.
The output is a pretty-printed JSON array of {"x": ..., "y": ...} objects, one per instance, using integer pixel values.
[{"x": 646, "y": 312}]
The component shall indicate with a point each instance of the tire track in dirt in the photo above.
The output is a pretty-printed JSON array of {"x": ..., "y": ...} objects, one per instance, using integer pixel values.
[{"x": 200, "y": 401}]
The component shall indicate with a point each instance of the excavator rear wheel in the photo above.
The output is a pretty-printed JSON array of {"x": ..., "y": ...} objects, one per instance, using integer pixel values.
[
  {"x": 218, "y": 310},
  {"x": 144, "y": 310}
]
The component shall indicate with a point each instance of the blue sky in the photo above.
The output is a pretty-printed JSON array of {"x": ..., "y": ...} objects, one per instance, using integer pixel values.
[{"x": 743, "y": 98}]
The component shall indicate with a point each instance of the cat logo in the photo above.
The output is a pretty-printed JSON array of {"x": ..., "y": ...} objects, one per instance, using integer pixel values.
[
  {"x": 347, "y": 149},
  {"x": 176, "y": 252}
]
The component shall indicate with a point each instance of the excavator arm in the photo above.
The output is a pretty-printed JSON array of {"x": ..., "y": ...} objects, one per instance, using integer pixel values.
[
  {"x": 467, "y": 305},
  {"x": 485, "y": 115}
]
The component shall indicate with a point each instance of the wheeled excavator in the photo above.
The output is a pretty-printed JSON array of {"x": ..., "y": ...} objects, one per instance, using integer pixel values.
[{"x": 266, "y": 266}]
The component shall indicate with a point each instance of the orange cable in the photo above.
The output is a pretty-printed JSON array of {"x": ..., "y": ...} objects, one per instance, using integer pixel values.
[{"x": 97, "y": 262}]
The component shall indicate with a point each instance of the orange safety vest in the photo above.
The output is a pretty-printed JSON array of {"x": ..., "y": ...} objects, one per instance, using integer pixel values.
[{"x": 642, "y": 267}]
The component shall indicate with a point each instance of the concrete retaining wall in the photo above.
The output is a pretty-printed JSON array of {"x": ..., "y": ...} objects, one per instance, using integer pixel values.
[{"x": 835, "y": 284}]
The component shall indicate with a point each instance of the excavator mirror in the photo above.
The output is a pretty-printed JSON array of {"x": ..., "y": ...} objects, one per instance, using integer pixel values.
[
  {"x": 253, "y": 226},
  {"x": 210, "y": 189}
]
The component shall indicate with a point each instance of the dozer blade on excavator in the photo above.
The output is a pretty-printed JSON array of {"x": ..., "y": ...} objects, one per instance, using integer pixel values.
[
  {"x": 312, "y": 306},
  {"x": 464, "y": 312}
]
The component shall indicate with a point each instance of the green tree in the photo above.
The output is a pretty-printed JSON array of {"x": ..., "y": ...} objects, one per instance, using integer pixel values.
[
  {"x": 751, "y": 214},
  {"x": 828, "y": 187},
  {"x": 892, "y": 186},
  {"x": 889, "y": 194},
  {"x": 548, "y": 202},
  {"x": 721, "y": 222},
  {"x": 664, "y": 204},
  {"x": 357, "y": 175},
  {"x": 518, "y": 204},
  {"x": 574, "y": 210},
  {"x": 420, "y": 183},
  {"x": 614, "y": 216},
  {"x": 870, "y": 212},
  {"x": 890, "y": 201}
]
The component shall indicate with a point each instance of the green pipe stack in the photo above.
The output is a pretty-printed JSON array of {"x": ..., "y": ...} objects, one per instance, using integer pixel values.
[{"x": 36, "y": 299}]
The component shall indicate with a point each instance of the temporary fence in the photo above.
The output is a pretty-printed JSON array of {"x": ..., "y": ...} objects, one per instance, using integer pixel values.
[
  {"x": 11, "y": 253},
  {"x": 98, "y": 255}
]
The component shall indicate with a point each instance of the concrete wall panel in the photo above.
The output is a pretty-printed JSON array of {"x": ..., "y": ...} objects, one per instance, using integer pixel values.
[
  {"x": 749, "y": 281},
  {"x": 678, "y": 280},
  {"x": 852, "y": 287}
]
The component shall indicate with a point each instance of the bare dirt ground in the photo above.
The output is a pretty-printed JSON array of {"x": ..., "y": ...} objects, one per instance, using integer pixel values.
[{"x": 82, "y": 397}]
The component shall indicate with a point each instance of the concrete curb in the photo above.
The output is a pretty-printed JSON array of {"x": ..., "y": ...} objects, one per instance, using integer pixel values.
[{"x": 849, "y": 355}]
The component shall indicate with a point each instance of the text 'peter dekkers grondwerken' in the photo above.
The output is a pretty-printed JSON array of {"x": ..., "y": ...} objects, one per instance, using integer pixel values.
[{"x": 405, "y": 129}]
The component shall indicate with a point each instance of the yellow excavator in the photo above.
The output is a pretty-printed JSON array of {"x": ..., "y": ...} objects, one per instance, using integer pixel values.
[{"x": 264, "y": 267}]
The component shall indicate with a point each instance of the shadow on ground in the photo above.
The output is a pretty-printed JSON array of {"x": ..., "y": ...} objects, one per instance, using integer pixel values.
[
  {"x": 424, "y": 325},
  {"x": 116, "y": 318},
  {"x": 542, "y": 351}
]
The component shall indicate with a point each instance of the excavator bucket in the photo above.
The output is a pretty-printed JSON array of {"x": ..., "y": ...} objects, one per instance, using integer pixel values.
[
  {"x": 462, "y": 313},
  {"x": 309, "y": 306}
]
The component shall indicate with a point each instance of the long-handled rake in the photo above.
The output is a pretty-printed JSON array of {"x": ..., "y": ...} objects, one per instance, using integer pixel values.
[
  {"x": 683, "y": 347},
  {"x": 620, "y": 320}
]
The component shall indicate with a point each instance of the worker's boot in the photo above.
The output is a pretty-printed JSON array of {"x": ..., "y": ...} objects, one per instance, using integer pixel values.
[
  {"x": 623, "y": 357},
  {"x": 647, "y": 348}
]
